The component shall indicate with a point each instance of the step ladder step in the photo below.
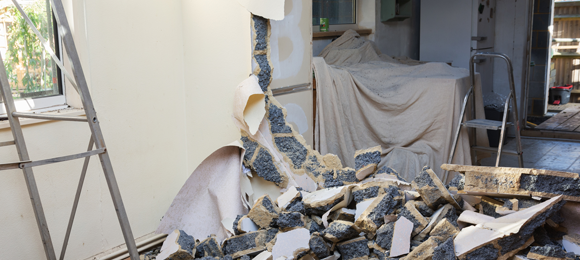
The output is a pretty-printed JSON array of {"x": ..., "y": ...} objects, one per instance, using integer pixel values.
[
  {"x": 485, "y": 124},
  {"x": 493, "y": 149},
  {"x": 11, "y": 166},
  {"x": 7, "y": 143}
]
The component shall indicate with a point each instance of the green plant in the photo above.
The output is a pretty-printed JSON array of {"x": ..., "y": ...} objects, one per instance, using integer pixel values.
[{"x": 25, "y": 54}]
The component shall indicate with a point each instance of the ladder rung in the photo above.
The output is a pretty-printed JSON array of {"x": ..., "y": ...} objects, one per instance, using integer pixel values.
[
  {"x": 492, "y": 149},
  {"x": 62, "y": 159},
  {"x": 49, "y": 117},
  {"x": 10, "y": 166},
  {"x": 7, "y": 143},
  {"x": 485, "y": 124}
]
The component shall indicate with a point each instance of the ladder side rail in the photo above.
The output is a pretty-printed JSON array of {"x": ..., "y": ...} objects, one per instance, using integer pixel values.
[
  {"x": 16, "y": 129},
  {"x": 97, "y": 135},
  {"x": 457, "y": 131},
  {"x": 503, "y": 132}
]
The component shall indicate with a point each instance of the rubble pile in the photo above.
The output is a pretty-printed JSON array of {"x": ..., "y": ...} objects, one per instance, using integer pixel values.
[
  {"x": 387, "y": 219},
  {"x": 327, "y": 211}
]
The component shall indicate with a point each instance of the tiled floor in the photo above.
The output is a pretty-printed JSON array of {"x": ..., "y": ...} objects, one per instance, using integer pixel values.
[{"x": 542, "y": 154}]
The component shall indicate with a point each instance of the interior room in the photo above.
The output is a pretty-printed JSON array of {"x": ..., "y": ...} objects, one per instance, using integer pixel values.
[{"x": 289, "y": 129}]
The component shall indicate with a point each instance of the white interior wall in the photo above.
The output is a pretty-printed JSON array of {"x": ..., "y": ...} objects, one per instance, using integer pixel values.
[{"x": 161, "y": 76}]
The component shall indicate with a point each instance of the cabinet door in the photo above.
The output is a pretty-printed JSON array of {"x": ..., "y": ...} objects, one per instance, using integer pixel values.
[
  {"x": 291, "y": 55},
  {"x": 446, "y": 30}
]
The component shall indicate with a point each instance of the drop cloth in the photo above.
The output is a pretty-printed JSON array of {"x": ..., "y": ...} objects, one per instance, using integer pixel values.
[{"x": 365, "y": 98}]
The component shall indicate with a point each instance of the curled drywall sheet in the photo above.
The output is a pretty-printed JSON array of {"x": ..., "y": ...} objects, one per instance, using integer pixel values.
[
  {"x": 215, "y": 185},
  {"x": 249, "y": 105},
  {"x": 295, "y": 114},
  {"x": 271, "y": 9}
]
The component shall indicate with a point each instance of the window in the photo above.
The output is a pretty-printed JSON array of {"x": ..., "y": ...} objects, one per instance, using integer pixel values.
[
  {"x": 35, "y": 80},
  {"x": 337, "y": 11}
]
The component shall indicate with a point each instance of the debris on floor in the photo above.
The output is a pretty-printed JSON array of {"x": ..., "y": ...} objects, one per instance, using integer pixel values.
[{"x": 270, "y": 196}]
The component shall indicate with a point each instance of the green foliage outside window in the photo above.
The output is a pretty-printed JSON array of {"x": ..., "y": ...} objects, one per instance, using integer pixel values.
[{"x": 29, "y": 67}]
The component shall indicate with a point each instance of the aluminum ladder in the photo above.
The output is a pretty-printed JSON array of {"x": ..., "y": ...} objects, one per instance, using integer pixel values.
[
  {"x": 78, "y": 80},
  {"x": 490, "y": 124}
]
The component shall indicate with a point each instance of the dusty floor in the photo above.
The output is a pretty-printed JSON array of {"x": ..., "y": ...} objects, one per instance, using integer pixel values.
[{"x": 542, "y": 154}]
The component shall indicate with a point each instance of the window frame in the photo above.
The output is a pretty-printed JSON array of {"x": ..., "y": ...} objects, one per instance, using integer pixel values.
[
  {"x": 344, "y": 27},
  {"x": 46, "y": 103}
]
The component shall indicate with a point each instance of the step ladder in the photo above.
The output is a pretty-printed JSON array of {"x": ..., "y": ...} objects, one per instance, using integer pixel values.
[
  {"x": 490, "y": 124},
  {"x": 78, "y": 80}
]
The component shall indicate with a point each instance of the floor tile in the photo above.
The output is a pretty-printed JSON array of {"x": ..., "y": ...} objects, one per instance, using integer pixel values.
[
  {"x": 575, "y": 167},
  {"x": 556, "y": 163}
]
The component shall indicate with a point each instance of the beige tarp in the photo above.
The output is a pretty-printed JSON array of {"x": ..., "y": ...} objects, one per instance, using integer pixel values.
[{"x": 365, "y": 99}]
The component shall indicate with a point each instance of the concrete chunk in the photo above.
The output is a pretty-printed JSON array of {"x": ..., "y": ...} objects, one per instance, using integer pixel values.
[
  {"x": 289, "y": 221},
  {"x": 332, "y": 161},
  {"x": 177, "y": 246},
  {"x": 549, "y": 252},
  {"x": 432, "y": 190},
  {"x": 208, "y": 247},
  {"x": 411, "y": 213},
  {"x": 318, "y": 246},
  {"x": 445, "y": 251},
  {"x": 425, "y": 250},
  {"x": 354, "y": 249},
  {"x": 341, "y": 230},
  {"x": 343, "y": 214},
  {"x": 288, "y": 197},
  {"x": 248, "y": 243},
  {"x": 374, "y": 215},
  {"x": 505, "y": 236},
  {"x": 444, "y": 230},
  {"x": 264, "y": 212},
  {"x": 482, "y": 180},
  {"x": 320, "y": 201},
  {"x": 366, "y": 161},
  {"x": 384, "y": 236}
]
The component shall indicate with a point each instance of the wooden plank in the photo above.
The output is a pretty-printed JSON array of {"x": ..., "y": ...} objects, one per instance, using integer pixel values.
[
  {"x": 571, "y": 124},
  {"x": 339, "y": 33},
  {"x": 558, "y": 119},
  {"x": 567, "y": 17}
]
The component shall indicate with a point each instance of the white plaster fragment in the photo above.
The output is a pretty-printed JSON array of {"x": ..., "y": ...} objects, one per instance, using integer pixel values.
[
  {"x": 401, "y": 242},
  {"x": 289, "y": 242},
  {"x": 248, "y": 225},
  {"x": 169, "y": 245},
  {"x": 361, "y": 207}
]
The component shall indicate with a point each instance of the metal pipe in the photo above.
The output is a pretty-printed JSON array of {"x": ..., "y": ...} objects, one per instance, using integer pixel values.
[
  {"x": 62, "y": 158},
  {"x": 502, "y": 133},
  {"x": 76, "y": 201},
  {"x": 49, "y": 117},
  {"x": 449, "y": 161},
  {"x": 7, "y": 143}
]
